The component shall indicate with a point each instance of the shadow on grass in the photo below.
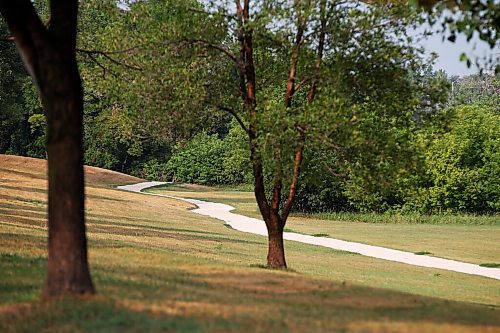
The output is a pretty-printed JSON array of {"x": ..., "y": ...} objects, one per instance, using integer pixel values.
[
  {"x": 143, "y": 298},
  {"x": 100, "y": 315}
]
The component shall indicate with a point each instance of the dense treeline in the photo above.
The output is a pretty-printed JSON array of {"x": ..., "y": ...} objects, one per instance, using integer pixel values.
[
  {"x": 454, "y": 155},
  {"x": 446, "y": 159}
]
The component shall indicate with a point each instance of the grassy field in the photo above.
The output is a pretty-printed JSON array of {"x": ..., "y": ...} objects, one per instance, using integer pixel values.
[
  {"x": 473, "y": 240},
  {"x": 159, "y": 267}
]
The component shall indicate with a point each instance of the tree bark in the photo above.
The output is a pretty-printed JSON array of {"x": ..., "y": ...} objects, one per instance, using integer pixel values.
[
  {"x": 62, "y": 98},
  {"x": 49, "y": 55},
  {"x": 276, "y": 250}
]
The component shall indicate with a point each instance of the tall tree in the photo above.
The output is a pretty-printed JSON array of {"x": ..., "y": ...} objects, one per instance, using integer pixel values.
[
  {"x": 313, "y": 71},
  {"x": 49, "y": 55}
]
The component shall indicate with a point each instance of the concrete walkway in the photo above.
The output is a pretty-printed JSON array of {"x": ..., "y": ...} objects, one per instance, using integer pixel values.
[{"x": 256, "y": 226}]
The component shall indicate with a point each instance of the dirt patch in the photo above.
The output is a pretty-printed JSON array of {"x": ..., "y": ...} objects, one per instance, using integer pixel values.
[{"x": 195, "y": 187}]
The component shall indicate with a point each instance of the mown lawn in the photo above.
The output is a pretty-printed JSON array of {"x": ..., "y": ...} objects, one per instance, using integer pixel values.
[
  {"x": 159, "y": 267},
  {"x": 471, "y": 239}
]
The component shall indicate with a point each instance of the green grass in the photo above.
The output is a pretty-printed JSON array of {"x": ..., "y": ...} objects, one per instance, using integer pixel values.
[
  {"x": 464, "y": 219},
  {"x": 474, "y": 241},
  {"x": 490, "y": 265},
  {"x": 158, "y": 267},
  {"x": 422, "y": 253}
]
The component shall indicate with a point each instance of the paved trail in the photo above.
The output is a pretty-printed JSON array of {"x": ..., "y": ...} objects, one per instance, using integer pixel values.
[{"x": 256, "y": 226}]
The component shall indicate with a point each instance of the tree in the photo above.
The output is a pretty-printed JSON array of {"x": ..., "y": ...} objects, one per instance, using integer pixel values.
[
  {"x": 49, "y": 55},
  {"x": 293, "y": 74},
  {"x": 309, "y": 71}
]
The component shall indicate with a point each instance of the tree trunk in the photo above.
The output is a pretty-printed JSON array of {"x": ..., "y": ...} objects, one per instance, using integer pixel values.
[
  {"x": 49, "y": 55},
  {"x": 62, "y": 98},
  {"x": 276, "y": 251}
]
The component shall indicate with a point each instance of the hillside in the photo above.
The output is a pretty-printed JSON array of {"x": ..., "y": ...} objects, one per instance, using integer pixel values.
[{"x": 159, "y": 267}]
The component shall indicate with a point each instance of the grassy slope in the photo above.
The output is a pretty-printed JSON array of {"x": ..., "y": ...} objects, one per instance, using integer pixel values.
[{"x": 159, "y": 267}]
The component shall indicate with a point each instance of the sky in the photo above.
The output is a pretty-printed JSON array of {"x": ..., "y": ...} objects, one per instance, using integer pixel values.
[{"x": 449, "y": 53}]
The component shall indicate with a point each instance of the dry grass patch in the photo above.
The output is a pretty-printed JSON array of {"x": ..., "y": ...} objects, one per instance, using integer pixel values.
[{"x": 412, "y": 327}]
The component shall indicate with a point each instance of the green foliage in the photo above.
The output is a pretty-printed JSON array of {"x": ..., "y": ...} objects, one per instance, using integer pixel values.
[
  {"x": 470, "y": 18},
  {"x": 209, "y": 160},
  {"x": 11, "y": 79},
  {"x": 21, "y": 117},
  {"x": 477, "y": 89},
  {"x": 199, "y": 161},
  {"x": 113, "y": 140},
  {"x": 154, "y": 170},
  {"x": 149, "y": 67},
  {"x": 409, "y": 218},
  {"x": 463, "y": 165}
]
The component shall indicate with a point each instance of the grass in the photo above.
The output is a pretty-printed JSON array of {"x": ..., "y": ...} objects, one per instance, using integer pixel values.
[
  {"x": 422, "y": 253},
  {"x": 158, "y": 267},
  {"x": 321, "y": 234},
  {"x": 464, "y": 219},
  {"x": 470, "y": 242},
  {"x": 490, "y": 265}
]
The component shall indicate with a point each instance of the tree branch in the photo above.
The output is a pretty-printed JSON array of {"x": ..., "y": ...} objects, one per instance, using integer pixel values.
[
  {"x": 215, "y": 47},
  {"x": 278, "y": 181},
  {"x": 321, "y": 46},
  {"x": 104, "y": 69},
  {"x": 235, "y": 115},
  {"x": 93, "y": 53},
  {"x": 28, "y": 31},
  {"x": 302, "y": 83},
  {"x": 295, "y": 177}
]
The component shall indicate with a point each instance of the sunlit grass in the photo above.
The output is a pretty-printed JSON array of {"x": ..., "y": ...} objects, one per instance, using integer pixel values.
[{"x": 470, "y": 242}]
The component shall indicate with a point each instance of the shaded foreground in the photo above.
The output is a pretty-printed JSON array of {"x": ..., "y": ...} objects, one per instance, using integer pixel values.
[{"x": 159, "y": 267}]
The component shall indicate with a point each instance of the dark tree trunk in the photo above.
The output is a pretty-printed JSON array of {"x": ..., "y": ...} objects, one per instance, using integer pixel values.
[
  {"x": 62, "y": 97},
  {"x": 49, "y": 54}
]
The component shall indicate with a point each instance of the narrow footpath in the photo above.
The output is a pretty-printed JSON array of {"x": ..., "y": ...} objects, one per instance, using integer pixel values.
[{"x": 256, "y": 226}]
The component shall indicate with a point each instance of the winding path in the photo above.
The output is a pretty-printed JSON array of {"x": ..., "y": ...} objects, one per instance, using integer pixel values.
[{"x": 256, "y": 226}]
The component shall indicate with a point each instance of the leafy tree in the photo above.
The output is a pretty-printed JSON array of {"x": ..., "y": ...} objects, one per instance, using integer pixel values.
[
  {"x": 312, "y": 72},
  {"x": 464, "y": 164},
  {"x": 477, "y": 89},
  {"x": 49, "y": 55},
  {"x": 153, "y": 77},
  {"x": 469, "y": 18}
]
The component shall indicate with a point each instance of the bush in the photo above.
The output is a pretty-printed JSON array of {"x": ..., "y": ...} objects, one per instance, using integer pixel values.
[
  {"x": 209, "y": 160},
  {"x": 464, "y": 164}
]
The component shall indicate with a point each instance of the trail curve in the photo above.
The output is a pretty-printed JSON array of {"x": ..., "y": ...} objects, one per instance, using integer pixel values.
[{"x": 256, "y": 226}]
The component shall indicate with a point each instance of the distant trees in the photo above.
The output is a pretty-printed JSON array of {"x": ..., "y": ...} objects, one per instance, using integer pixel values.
[
  {"x": 11, "y": 105},
  {"x": 463, "y": 164},
  {"x": 210, "y": 160},
  {"x": 49, "y": 55}
]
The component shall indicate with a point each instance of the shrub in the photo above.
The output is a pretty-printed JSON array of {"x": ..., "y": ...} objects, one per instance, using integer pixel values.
[{"x": 464, "y": 164}]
